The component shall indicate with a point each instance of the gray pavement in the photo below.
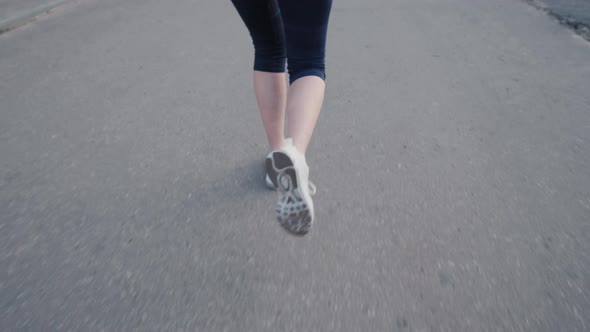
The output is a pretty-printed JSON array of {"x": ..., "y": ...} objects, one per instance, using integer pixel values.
[{"x": 452, "y": 163}]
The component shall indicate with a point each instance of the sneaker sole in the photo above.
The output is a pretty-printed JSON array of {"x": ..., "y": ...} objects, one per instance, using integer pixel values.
[{"x": 294, "y": 208}]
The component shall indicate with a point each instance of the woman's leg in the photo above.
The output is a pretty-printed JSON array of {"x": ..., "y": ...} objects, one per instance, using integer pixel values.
[
  {"x": 263, "y": 20},
  {"x": 306, "y": 25}
]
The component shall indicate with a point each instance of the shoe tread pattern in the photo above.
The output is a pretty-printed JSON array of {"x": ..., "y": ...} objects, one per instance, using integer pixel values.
[{"x": 292, "y": 212}]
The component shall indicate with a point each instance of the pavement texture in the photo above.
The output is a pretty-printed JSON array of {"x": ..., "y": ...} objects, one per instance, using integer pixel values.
[{"x": 452, "y": 163}]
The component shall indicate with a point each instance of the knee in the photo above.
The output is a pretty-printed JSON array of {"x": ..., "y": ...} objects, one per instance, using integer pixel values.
[{"x": 299, "y": 68}]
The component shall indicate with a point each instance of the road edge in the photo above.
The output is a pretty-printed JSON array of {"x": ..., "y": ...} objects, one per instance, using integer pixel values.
[
  {"x": 581, "y": 28},
  {"x": 27, "y": 16}
]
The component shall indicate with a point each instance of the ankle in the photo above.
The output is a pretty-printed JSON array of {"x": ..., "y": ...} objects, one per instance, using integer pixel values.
[
  {"x": 277, "y": 145},
  {"x": 300, "y": 150}
]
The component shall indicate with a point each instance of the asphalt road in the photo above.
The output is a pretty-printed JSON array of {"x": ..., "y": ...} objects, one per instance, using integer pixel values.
[{"x": 452, "y": 162}]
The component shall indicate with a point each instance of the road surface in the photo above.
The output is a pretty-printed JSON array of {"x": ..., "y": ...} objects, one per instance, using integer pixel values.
[{"x": 452, "y": 163}]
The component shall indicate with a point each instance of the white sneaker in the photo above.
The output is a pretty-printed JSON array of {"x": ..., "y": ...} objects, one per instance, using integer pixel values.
[
  {"x": 269, "y": 182},
  {"x": 295, "y": 211}
]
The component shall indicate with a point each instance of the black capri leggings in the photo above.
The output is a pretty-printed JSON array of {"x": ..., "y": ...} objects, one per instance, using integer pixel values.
[{"x": 293, "y": 30}]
